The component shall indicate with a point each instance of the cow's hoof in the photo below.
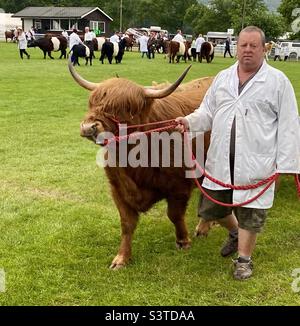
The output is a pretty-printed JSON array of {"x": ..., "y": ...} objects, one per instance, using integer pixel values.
[
  {"x": 203, "y": 228},
  {"x": 119, "y": 262},
  {"x": 116, "y": 266},
  {"x": 183, "y": 244}
]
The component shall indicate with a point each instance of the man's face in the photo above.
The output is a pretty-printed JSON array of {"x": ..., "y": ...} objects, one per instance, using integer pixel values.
[{"x": 250, "y": 50}]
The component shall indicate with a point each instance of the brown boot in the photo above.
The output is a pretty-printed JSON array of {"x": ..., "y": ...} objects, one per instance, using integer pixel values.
[{"x": 231, "y": 245}]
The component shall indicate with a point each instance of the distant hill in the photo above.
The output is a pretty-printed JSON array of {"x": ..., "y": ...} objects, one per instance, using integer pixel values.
[{"x": 271, "y": 4}]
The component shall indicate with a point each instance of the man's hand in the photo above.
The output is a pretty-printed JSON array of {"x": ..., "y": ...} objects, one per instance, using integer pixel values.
[{"x": 183, "y": 124}]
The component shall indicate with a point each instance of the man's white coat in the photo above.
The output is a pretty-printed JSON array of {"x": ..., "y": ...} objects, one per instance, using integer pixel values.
[{"x": 267, "y": 130}]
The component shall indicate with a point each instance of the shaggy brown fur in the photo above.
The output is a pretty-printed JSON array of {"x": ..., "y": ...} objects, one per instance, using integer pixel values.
[
  {"x": 201, "y": 83},
  {"x": 135, "y": 190}
]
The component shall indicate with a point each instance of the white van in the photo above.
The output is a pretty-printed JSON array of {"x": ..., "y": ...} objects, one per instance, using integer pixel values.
[{"x": 294, "y": 49}]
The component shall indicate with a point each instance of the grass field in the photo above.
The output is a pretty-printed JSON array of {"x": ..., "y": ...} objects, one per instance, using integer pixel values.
[{"x": 60, "y": 228}]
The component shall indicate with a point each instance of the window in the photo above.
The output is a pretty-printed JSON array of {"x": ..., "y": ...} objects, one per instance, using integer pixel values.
[
  {"x": 64, "y": 24},
  {"x": 37, "y": 24},
  {"x": 101, "y": 26},
  {"x": 296, "y": 45},
  {"x": 55, "y": 25},
  {"x": 73, "y": 23},
  {"x": 97, "y": 25}
]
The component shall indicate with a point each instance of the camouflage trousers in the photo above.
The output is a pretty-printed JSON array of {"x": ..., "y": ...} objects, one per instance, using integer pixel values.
[{"x": 250, "y": 219}]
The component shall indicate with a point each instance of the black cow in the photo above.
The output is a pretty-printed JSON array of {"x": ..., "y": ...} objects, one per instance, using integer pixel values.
[
  {"x": 82, "y": 51},
  {"x": 111, "y": 50},
  {"x": 49, "y": 44}
]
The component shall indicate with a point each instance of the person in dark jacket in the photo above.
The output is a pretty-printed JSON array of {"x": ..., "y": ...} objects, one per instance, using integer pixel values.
[{"x": 227, "y": 47}]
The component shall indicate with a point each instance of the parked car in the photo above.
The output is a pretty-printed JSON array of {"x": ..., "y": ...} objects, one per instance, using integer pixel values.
[{"x": 294, "y": 49}]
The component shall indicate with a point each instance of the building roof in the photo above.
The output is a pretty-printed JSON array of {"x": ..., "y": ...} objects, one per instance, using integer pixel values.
[{"x": 57, "y": 12}]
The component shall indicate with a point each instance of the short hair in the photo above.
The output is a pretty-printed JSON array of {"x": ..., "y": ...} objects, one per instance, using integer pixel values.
[{"x": 250, "y": 29}]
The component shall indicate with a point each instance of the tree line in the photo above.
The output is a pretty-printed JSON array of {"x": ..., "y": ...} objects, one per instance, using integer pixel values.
[{"x": 191, "y": 16}]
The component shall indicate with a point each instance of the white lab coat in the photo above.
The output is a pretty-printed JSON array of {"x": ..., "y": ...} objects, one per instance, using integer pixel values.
[
  {"x": 115, "y": 38},
  {"x": 22, "y": 41},
  {"x": 88, "y": 37},
  {"x": 178, "y": 38},
  {"x": 277, "y": 50},
  {"x": 267, "y": 130},
  {"x": 74, "y": 39},
  {"x": 199, "y": 42},
  {"x": 143, "y": 40}
]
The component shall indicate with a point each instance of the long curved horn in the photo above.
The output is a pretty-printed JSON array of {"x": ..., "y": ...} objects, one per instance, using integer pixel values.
[
  {"x": 160, "y": 93},
  {"x": 82, "y": 82}
]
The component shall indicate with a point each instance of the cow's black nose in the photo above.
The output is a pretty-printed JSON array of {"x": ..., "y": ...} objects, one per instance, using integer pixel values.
[{"x": 88, "y": 129}]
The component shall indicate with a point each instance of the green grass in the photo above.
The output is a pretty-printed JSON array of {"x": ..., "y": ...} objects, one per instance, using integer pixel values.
[{"x": 60, "y": 228}]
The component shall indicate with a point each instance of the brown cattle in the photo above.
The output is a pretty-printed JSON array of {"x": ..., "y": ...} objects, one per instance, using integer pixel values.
[
  {"x": 178, "y": 50},
  {"x": 129, "y": 42},
  {"x": 199, "y": 83},
  {"x": 9, "y": 34},
  {"x": 268, "y": 49},
  {"x": 136, "y": 189},
  {"x": 207, "y": 52},
  {"x": 203, "y": 226}
]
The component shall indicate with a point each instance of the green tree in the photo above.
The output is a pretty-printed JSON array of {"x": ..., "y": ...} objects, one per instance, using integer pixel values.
[
  {"x": 193, "y": 17},
  {"x": 169, "y": 14},
  {"x": 244, "y": 13},
  {"x": 272, "y": 24},
  {"x": 286, "y": 9},
  {"x": 215, "y": 17}
]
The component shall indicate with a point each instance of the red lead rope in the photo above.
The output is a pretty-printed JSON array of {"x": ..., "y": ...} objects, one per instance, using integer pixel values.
[
  {"x": 267, "y": 181},
  {"x": 171, "y": 124}
]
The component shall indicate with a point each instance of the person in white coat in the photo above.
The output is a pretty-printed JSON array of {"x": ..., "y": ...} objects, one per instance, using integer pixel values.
[
  {"x": 22, "y": 43},
  {"x": 199, "y": 41},
  {"x": 115, "y": 38},
  {"x": 277, "y": 52},
  {"x": 251, "y": 110},
  {"x": 74, "y": 39},
  {"x": 88, "y": 36},
  {"x": 143, "y": 41},
  {"x": 178, "y": 37}
]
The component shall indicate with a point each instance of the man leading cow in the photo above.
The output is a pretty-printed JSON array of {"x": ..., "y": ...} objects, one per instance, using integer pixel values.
[{"x": 251, "y": 110}]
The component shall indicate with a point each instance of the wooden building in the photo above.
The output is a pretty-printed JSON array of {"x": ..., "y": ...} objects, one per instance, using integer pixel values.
[{"x": 57, "y": 19}]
